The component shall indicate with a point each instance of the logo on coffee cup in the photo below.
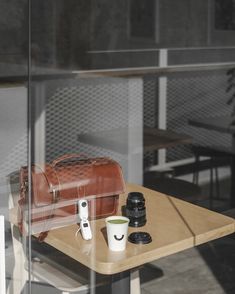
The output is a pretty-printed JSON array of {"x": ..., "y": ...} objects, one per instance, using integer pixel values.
[{"x": 118, "y": 239}]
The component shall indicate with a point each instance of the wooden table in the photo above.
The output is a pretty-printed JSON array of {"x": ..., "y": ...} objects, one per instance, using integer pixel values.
[
  {"x": 174, "y": 225},
  {"x": 221, "y": 124}
]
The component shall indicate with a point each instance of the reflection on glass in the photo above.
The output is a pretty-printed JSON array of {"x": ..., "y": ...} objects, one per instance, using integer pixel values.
[{"x": 112, "y": 84}]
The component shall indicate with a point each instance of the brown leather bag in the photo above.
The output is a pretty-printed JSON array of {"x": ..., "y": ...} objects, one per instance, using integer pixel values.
[{"x": 56, "y": 188}]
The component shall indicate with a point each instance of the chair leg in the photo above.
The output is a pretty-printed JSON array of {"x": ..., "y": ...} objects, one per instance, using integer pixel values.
[
  {"x": 214, "y": 170},
  {"x": 196, "y": 170},
  {"x": 217, "y": 182},
  {"x": 211, "y": 185}
]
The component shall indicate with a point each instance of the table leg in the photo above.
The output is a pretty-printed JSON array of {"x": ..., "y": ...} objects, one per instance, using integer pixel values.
[
  {"x": 121, "y": 283},
  {"x": 135, "y": 282}
]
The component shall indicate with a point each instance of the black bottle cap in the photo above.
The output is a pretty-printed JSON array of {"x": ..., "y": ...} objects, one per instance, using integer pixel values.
[{"x": 140, "y": 238}]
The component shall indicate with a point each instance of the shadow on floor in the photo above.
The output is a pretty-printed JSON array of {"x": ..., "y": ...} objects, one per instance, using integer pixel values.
[
  {"x": 208, "y": 268},
  {"x": 219, "y": 255}
]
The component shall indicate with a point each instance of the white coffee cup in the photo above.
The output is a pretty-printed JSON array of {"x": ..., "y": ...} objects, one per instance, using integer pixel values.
[{"x": 117, "y": 227}]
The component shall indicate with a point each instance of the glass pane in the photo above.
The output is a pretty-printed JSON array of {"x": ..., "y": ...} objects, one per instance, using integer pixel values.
[
  {"x": 110, "y": 81},
  {"x": 14, "y": 141},
  {"x": 104, "y": 100}
]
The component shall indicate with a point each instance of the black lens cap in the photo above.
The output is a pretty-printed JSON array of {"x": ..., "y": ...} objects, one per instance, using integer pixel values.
[{"x": 139, "y": 238}]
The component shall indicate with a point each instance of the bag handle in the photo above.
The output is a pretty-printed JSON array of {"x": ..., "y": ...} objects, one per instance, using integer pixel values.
[{"x": 68, "y": 156}]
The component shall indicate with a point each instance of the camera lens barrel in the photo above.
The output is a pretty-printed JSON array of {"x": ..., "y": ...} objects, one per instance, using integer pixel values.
[{"x": 135, "y": 209}]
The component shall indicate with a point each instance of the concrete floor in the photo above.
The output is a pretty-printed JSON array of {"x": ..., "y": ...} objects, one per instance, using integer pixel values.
[{"x": 207, "y": 269}]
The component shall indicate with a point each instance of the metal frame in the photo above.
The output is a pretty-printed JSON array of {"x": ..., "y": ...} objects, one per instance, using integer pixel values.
[{"x": 2, "y": 256}]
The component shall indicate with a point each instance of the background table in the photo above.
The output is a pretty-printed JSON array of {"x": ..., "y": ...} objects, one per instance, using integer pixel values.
[
  {"x": 221, "y": 124},
  {"x": 217, "y": 123},
  {"x": 131, "y": 143},
  {"x": 174, "y": 225},
  {"x": 153, "y": 139}
]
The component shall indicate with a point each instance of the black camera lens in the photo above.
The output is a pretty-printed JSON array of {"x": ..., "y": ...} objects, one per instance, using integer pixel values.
[
  {"x": 84, "y": 204},
  {"x": 135, "y": 209}
]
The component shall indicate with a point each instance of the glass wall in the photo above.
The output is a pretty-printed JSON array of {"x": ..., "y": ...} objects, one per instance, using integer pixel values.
[
  {"x": 83, "y": 82},
  {"x": 14, "y": 139}
]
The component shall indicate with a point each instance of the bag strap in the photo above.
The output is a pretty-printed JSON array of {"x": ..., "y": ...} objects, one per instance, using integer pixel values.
[{"x": 42, "y": 236}]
